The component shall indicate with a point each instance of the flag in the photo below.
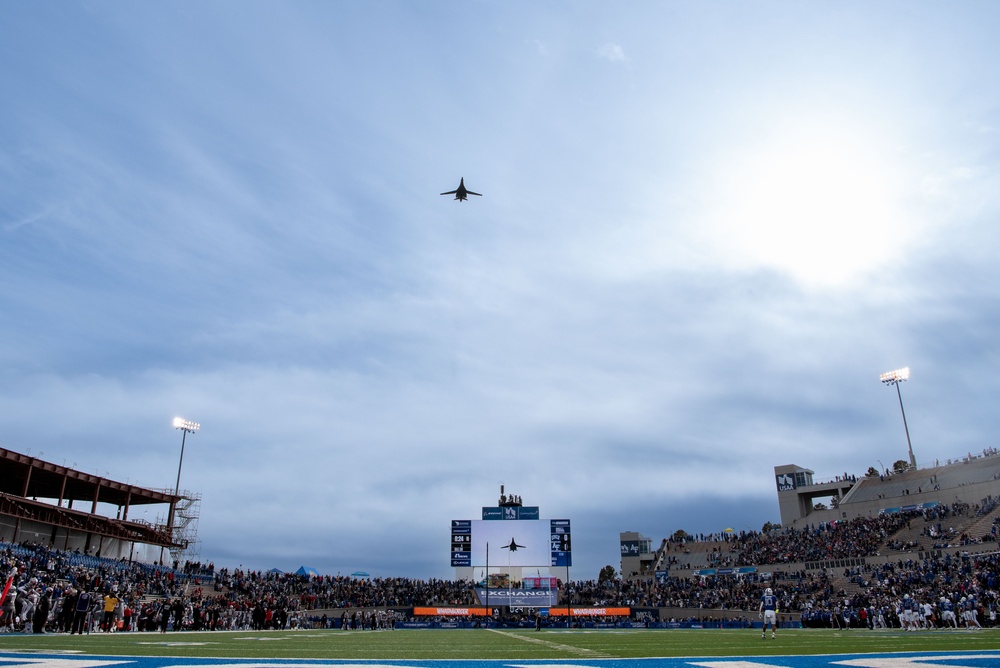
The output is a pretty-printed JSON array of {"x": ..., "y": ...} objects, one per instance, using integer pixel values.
[{"x": 6, "y": 588}]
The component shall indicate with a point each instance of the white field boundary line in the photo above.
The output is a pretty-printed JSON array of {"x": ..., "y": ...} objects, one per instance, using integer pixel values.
[{"x": 579, "y": 651}]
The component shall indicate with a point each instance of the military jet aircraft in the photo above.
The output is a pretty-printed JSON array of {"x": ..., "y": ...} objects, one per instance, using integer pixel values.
[
  {"x": 513, "y": 545},
  {"x": 461, "y": 193}
]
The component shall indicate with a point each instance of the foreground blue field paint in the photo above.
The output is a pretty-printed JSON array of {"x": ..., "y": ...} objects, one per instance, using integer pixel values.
[{"x": 901, "y": 660}]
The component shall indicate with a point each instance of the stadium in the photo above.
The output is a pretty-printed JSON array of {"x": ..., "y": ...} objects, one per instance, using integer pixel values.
[
  {"x": 887, "y": 541},
  {"x": 640, "y": 262}
]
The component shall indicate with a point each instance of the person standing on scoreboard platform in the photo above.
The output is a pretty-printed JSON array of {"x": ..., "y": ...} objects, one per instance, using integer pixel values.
[{"x": 768, "y": 611}]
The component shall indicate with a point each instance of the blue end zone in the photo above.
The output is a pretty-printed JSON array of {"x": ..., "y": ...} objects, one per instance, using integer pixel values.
[{"x": 989, "y": 659}]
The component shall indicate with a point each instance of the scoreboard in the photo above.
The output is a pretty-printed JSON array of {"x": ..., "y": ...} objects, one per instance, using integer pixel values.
[
  {"x": 519, "y": 542},
  {"x": 461, "y": 542}
]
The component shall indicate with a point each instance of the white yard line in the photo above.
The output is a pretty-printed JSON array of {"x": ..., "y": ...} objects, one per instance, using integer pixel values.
[{"x": 579, "y": 651}]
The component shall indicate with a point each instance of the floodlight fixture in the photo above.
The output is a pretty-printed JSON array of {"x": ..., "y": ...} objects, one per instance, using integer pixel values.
[
  {"x": 895, "y": 378},
  {"x": 186, "y": 425}
]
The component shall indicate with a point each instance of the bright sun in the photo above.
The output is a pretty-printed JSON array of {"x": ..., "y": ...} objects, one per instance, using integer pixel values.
[{"x": 817, "y": 205}]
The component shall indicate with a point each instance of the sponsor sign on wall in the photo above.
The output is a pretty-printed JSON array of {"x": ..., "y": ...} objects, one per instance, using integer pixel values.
[
  {"x": 785, "y": 482},
  {"x": 523, "y": 598},
  {"x": 631, "y": 548}
]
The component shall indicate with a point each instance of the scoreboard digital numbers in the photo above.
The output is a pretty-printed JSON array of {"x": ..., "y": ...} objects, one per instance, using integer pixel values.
[
  {"x": 461, "y": 542},
  {"x": 518, "y": 542},
  {"x": 561, "y": 545}
]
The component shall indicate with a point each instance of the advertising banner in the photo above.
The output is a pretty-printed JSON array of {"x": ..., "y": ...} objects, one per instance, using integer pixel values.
[
  {"x": 590, "y": 612},
  {"x": 519, "y": 598},
  {"x": 631, "y": 548},
  {"x": 457, "y": 611},
  {"x": 785, "y": 482},
  {"x": 510, "y": 513}
]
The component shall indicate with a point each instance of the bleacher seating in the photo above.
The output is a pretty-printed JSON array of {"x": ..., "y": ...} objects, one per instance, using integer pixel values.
[{"x": 969, "y": 471}]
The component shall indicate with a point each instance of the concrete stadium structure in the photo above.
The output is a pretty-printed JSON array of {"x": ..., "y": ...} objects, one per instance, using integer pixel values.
[
  {"x": 972, "y": 481},
  {"x": 967, "y": 480},
  {"x": 803, "y": 502}
]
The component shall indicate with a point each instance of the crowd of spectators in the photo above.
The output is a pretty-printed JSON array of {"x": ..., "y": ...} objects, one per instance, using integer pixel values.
[
  {"x": 122, "y": 595},
  {"x": 849, "y": 539},
  {"x": 973, "y": 581},
  {"x": 193, "y": 596},
  {"x": 860, "y": 537}
]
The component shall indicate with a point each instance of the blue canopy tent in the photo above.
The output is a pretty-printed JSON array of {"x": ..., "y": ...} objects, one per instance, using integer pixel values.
[{"x": 307, "y": 570}]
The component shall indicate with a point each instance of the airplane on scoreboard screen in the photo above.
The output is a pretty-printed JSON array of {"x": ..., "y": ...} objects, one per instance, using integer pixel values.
[{"x": 513, "y": 545}]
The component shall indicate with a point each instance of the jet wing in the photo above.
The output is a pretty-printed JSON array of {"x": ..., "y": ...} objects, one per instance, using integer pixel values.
[
  {"x": 452, "y": 192},
  {"x": 472, "y": 193}
]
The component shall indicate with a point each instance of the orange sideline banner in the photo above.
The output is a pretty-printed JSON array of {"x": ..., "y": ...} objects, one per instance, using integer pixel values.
[
  {"x": 451, "y": 612},
  {"x": 590, "y": 612}
]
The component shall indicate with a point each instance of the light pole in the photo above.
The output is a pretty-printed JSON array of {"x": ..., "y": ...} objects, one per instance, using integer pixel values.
[
  {"x": 489, "y": 614},
  {"x": 186, "y": 427},
  {"x": 895, "y": 378}
]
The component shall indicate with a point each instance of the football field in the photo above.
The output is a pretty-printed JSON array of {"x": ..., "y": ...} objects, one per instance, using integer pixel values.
[{"x": 604, "y": 648}]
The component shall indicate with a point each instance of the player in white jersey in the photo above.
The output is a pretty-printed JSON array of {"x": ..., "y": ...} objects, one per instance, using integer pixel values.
[
  {"x": 928, "y": 614},
  {"x": 768, "y": 611}
]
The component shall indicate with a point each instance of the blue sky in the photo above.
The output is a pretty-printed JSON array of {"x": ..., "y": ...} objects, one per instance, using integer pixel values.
[{"x": 705, "y": 230}]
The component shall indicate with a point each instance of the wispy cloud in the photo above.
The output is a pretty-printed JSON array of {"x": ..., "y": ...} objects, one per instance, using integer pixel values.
[{"x": 611, "y": 51}]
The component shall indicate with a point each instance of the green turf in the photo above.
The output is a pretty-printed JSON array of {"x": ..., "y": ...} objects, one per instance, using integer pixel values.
[{"x": 503, "y": 644}]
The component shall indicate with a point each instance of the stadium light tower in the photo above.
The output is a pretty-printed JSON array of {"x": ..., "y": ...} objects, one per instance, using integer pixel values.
[
  {"x": 895, "y": 378},
  {"x": 186, "y": 427}
]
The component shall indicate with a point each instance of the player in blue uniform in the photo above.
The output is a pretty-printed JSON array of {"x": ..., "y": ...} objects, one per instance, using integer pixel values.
[
  {"x": 768, "y": 611},
  {"x": 971, "y": 612},
  {"x": 947, "y": 609},
  {"x": 908, "y": 613}
]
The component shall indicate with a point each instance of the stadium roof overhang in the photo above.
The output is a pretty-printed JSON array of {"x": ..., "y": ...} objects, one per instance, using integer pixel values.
[{"x": 25, "y": 479}]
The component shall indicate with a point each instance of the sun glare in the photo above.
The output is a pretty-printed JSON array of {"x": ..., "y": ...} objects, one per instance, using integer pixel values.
[{"x": 817, "y": 206}]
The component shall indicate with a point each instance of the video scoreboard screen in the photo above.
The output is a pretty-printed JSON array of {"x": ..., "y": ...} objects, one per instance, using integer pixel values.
[{"x": 520, "y": 542}]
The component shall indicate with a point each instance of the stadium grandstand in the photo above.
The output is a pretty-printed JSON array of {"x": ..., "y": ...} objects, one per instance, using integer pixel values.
[
  {"x": 966, "y": 480},
  {"x": 843, "y": 544},
  {"x": 857, "y": 570},
  {"x": 37, "y": 500}
]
